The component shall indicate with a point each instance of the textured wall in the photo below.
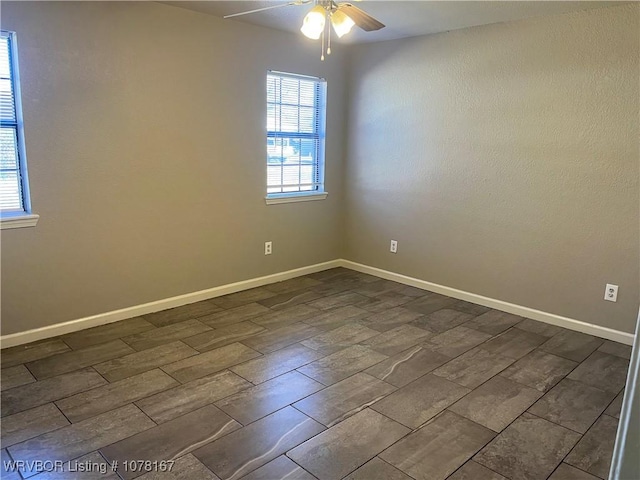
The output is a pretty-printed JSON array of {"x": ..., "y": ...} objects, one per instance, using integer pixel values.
[
  {"x": 145, "y": 128},
  {"x": 504, "y": 159}
]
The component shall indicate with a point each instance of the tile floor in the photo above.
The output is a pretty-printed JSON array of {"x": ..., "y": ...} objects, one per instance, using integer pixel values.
[{"x": 329, "y": 376}]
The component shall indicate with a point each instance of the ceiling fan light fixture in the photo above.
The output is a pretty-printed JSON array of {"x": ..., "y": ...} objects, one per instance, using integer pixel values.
[
  {"x": 342, "y": 23},
  {"x": 313, "y": 23}
]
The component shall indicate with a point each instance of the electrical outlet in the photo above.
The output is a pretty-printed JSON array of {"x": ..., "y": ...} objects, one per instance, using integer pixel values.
[
  {"x": 267, "y": 248},
  {"x": 611, "y": 292},
  {"x": 394, "y": 246}
]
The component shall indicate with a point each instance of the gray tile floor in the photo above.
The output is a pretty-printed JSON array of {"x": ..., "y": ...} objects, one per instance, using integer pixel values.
[{"x": 329, "y": 376}]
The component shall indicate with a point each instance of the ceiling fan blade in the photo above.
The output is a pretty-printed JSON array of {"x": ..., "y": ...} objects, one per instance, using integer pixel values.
[
  {"x": 289, "y": 4},
  {"x": 361, "y": 18}
]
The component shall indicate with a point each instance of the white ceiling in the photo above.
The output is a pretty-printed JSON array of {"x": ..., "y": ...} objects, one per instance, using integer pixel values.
[{"x": 402, "y": 18}]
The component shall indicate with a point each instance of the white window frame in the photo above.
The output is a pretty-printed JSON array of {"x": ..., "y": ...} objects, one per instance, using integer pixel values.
[
  {"x": 319, "y": 192},
  {"x": 25, "y": 217}
]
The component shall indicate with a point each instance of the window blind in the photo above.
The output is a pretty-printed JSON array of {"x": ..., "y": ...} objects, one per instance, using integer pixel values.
[
  {"x": 11, "y": 176},
  {"x": 295, "y": 133}
]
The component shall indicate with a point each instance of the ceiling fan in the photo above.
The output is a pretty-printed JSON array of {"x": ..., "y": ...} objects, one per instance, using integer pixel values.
[{"x": 342, "y": 16}]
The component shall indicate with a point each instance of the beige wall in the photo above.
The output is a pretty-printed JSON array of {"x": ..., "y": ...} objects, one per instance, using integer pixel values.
[
  {"x": 504, "y": 159},
  {"x": 145, "y": 127}
]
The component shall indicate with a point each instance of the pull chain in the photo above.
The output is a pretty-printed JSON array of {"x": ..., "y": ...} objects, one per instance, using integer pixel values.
[
  {"x": 329, "y": 34},
  {"x": 322, "y": 53}
]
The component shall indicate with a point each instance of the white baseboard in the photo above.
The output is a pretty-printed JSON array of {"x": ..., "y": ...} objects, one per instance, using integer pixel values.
[
  {"x": 28, "y": 336},
  {"x": 569, "y": 323}
]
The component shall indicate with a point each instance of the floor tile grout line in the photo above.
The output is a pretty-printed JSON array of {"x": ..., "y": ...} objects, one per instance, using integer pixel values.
[
  {"x": 263, "y": 355},
  {"x": 292, "y": 460},
  {"x": 517, "y": 360},
  {"x": 478, "y": 451},
  {"x": 243, "y": 378},
  {"x": 452, "y": 358},
  {"x": 571, "y": 465},
  {"x": 411, "y": 430},
  {"x": 287, "y": 405},
  {"x": 179, "y": 382},
  {"x": 278, "y": 410},
  {"x": 609, "y": 404},
  {"x": 432, "y": 419},
  {"x": 238, "y": 340},
  {"x": 484, "y": 466},
  {"x": 281, "y": 374},
  {"x": 62, "y": 340},
  {"x": 495, "y": 375},
  {"x": 558, "y": 425},
  {"x": 62, "y": 413},
  {"x": 158, "y": 328},
  {"x": 511, "y": 423},
  {"x": 557, "y": 467},
  {"x": 527, "y": 411},
  {"x": 580, "y": 439},
  {"x": 310, "y": 416},
  {"x": 10, "y": 365},
  {"x": 92, "y": 365},
  {"x": 61, "y": 398},
  {"x": 316, "y": 380},
  {"x": 274, "y": 377},
  {"x": 393, "y": 466},
  {"x": 120, "y": 337},
  {"x": 547, "y": 353},
  {"x": 512, "y": 363},
  {"x": 94, "y": 416},
  {"x": 30, "y": 373},
  {"x": 362, "y": 370},
  {"x": 44, "y": 433},
  {"x": 576, "y": 467},
  {"x": 156, "y": 424},
  {"x": 326, "y": 387},
  {"x": 213, "y": 403},
  {"x": 134, "y": 434},
  {"x": 12, "y": 459},
  {"x": 324, "y": 429},
  {"x": 109, "y": 463},
  {"x": 484, "y": 383},
  {"x": 327, "y": 428},
  {"x": 578, "y": 381},
  {"x": 153, "y": 368},
  {"x": 566, "y": 358}
]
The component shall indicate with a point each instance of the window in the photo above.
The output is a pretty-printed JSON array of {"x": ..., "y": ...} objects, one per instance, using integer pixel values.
[
  {"x": 15, "y": 206},
  {"x": 296, "y": 106}
]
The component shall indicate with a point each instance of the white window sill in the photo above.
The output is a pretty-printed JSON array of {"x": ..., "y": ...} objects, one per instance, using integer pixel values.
[
  {"x": 19, "y": 221},
  {"x": 295, "y": 197}
]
